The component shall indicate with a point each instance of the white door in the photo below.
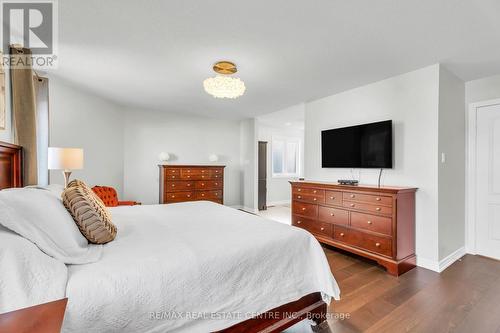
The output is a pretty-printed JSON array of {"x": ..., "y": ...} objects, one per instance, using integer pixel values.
[{"x": 488, "y": 182}]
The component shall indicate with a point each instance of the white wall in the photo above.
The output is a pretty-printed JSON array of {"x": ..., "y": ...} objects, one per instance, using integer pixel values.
[
  {"x": 82, "y": 120},
  {"x": 451, "y": 173},
  {"x": 482, "y": 89},
  {"x": 248, "y": 162},
  {"x": 278, "y": 188},
  {"x": 411, "y": 101},
  {"x": 188, "y": 139}
]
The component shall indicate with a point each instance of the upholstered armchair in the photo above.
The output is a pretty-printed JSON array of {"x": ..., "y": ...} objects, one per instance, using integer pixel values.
[{"x": 110, "y": 198}]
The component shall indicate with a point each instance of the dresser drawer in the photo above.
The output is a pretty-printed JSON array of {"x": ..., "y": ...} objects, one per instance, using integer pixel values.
[
  {"x": 333, "y": 198},
  {"x": 304, "y": 209},
  {"x": 174, "y": 172},
  {"x": 313, "y": 198},
  {"x": 333, "y": 215},
  {"x": 365, "y": 241},
  {"x": 368, "y": 198},
  {"x": 373, "y": 223},
  {"x": 368, "y": 207},
  {"x": 208, "y": 195},
  {"x": 172, "y": 177},
  {"x": 314, "y": 227},
  {"x": 179, "y": 185},
  {"x": 307, "y": 190},
  {"x": 179, "y": 196},
  {"x": 208, "y": 185},
  {"x": 195, "y": 173},
  {"x": 216, "y": 175},
  {"x": 217, "y": 171}
]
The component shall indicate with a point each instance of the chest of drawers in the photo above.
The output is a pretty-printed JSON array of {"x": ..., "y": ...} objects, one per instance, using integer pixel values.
[
  {"x": 375, "y": 222},
  {"x": 179, "y": 183}
]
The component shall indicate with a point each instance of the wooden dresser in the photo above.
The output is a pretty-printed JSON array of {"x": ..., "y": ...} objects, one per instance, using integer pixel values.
[
  {"x": 375, "y": 222},
  {"x": 179, "y": 183}
]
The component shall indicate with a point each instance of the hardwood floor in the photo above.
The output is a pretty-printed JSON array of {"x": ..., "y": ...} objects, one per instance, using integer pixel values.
[{"x": 464, "y": 298}]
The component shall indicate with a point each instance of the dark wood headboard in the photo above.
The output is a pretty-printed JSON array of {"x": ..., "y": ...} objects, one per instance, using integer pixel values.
[{"x": 11, "y": 161}]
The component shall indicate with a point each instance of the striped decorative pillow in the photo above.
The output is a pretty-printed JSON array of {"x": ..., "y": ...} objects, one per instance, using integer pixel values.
[{"x": 90, "y": 215}]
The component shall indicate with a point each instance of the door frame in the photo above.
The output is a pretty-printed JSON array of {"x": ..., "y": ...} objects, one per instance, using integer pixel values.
[{"x": 470, "y": 174}]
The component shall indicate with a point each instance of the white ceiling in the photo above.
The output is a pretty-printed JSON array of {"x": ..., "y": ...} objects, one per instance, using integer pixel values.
[
  {"x": 288, "y": 118},
  {"x": 155, "y": 54}
]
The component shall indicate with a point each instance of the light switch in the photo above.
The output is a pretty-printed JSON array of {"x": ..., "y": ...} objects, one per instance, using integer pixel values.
[{"x": 443, "y": 158}]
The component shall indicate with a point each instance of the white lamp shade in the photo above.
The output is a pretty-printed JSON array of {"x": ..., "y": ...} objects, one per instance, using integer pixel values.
[
  {"x": 65, "y": 158},
  {"x": 164, "y": 156}
]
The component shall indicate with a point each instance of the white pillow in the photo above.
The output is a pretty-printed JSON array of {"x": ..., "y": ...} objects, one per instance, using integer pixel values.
[
  {"x": 56, "y": 189},
  {"x": 28, "y": 276},
  {"x": 40, "y": 216}
]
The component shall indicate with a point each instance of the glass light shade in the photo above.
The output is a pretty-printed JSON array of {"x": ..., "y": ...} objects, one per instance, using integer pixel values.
[
  {"x": 224, "y": 86},
  {"x": 164, "y": 156},
  {"x": 213, "y": 158},
  {"x": 65, "y": 158}
]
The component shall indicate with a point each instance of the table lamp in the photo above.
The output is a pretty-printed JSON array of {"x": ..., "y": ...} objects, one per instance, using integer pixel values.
[{"x": 66, "y": 159}]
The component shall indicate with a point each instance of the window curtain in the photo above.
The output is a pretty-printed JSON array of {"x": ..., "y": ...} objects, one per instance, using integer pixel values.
[
  {"x": 42, "y": 127},
  {"x": 30, "y": 116}
]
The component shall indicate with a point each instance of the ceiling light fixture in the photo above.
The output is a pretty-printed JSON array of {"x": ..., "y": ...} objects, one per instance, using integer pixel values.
[{"x": 223, "y": 85}]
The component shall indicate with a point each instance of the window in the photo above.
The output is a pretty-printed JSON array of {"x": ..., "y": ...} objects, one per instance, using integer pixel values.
[{"x": 285, "y": 157}]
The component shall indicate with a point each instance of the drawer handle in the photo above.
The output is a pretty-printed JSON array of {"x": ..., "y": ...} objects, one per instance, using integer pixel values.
[
  {"x": 377, "y": 244},
  {"x": 173, "y": 196},
  {"x": 203, "y": 194},
  {"x": 173, "y": 185},
  {"x": 322, "y": 229},
  {"x": 299, "y": 222},
  {"x": 216, "y": 184},
  {"x": 189, "y": 170},
  {"x": 216, "y": 171},
  {"x": 299, "y": 197},
  {"x": 315, "y": 191},
  {"x": 202, "y": 176},
  {"x": 303, "y": 208},
  {"x": 189, "y": 176},
  {"x": 378, "y": 199},
  {"x": 173, "y": 177},
  {"x": 314, "y": 199},
  {"x": 377, "y": 209},
  {"x": 189, "y": 184},
  {"x": 341, "y": 234},
  {"x": 352, "y": 205},
  {"x": 202, "y": 171},
  {"x": 369, "y": 222},
  {"x": 172, "y": 170},
  {"x": 331, "y": 214},
  {"x": 332, "y": 198},
  {"x": 189, "y": 195},
  {"x": 202, "y": 184},
  {"x": 298, "y": 190},
  {"x": 352, "y": 195}
]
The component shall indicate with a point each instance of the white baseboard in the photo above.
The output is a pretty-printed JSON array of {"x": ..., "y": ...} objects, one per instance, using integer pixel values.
[
  {"x": 439, "y": 266},
  {"x": 278, "y": 203},
  {"x": 246, "y": 209},
  {"x": 432, "y": 265},
  {"x": 446, "y": 262}
]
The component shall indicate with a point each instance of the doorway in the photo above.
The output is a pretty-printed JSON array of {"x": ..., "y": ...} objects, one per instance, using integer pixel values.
[
  {"x": 262, "y": 175},
  {"x": 484, "y": 180}
]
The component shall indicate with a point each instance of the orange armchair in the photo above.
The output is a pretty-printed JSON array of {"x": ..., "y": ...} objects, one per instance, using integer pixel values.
[{"x": 110, "y": 198}]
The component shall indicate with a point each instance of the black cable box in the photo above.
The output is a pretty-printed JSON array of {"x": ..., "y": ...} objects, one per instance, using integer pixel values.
[{"x": 347, "y": 182}]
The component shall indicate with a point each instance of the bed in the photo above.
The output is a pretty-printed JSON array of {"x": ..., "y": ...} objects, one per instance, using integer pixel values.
[{"x": 194, "y": 267}]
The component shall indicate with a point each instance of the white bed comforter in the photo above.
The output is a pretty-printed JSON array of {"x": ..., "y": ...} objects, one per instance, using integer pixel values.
[
  {"x": 27, "y": 275},
  {"x": 181, "y": 267}
]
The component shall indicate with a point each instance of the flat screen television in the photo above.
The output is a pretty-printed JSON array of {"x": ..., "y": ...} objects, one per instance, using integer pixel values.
[{"x": 361, "y": 146}]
